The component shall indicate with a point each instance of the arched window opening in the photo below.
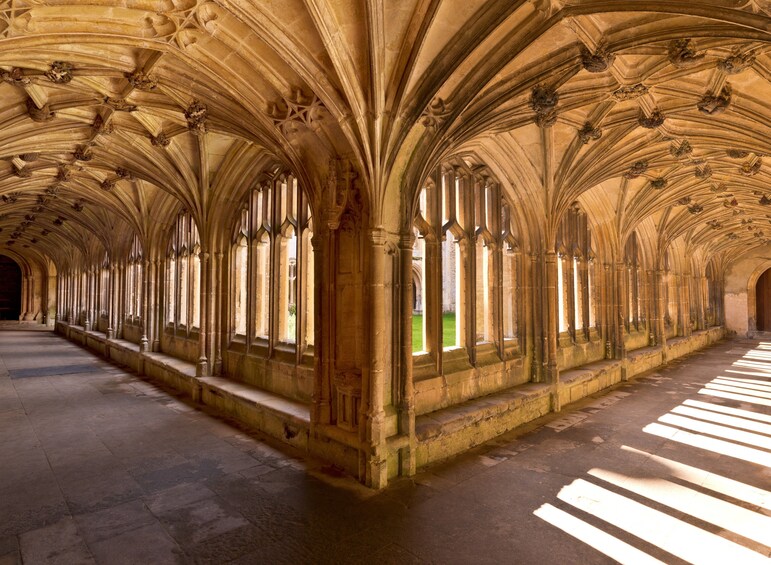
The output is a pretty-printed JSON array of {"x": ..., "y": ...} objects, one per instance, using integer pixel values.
[
  {"x": 634, "y": 318},
  {"x": 465, "y": 262},
  {"x": 134, "y": 276},
  {"x": 183, "y": 280},
  {"x": 510, "y": 266},
  {"x": 104, "y": 287},
  {"x": 575, "y": 292},
  {"x": 273, "y": 266}
]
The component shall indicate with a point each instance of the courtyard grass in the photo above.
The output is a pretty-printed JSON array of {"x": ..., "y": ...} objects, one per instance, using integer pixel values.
[{"x": 448, "y": 330}]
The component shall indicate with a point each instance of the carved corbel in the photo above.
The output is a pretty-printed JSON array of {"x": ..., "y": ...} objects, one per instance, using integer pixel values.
[
  {"x": 60, "y": 72},
  {"x": 160, "y": 140},
  {"x": 43, "y": 114},
  {"x": 196, "y": 115},
  {"x": 653, "y": 121},
  {"x": 589, "y": 133},
  {"x": 141, "y": 81},
  {"x": 712, "y": 104},
  {"x": 637, "y": 169},
  {"x": 736, "y": 63},
  {"x": 435, "y": 113},
  {"x": 682, "y": 54},
  {"x": 625, "y": 93},
  {"x": 683, "y": 149},
  {"x": 597, "y": 62},
  {"x": 543, "y": 101},
  {"x": 341, "y": 192}
]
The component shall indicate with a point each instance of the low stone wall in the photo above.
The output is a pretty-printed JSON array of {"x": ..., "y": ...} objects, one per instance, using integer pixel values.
[{"x": 454, "y": 429}]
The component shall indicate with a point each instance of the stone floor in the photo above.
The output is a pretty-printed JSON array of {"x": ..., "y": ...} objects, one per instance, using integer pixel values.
[{"x": 97, "y": 465}]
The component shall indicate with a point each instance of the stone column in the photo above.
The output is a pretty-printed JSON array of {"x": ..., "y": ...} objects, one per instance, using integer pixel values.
[
  {"x": 111, "y": 304},
  {"x": 143, "y": 341},
  {"x": 620, "y": 299},
  {"x": 381, "y": 347},
  {"x": 156, "y": 313},
  {"x": 324, "y": 325}
]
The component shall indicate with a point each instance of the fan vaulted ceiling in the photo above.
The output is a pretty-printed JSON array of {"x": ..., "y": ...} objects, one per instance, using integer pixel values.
[{"x": 652, "y": 115}]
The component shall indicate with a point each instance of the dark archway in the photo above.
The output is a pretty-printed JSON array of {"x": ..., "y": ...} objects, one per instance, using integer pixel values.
[
  {"x": 10, "y": 289},
  {"x": 763, "y": 301}
]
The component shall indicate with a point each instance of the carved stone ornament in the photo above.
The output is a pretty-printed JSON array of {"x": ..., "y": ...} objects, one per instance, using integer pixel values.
[
  {"x": 141, "y": 81},
  {"x": 160, "y": 140},
  {"x": 29, "y": 157},
  {"x": 589, "y": 133},
  {"x": 625, "y": 93},
  {"x": 737, "y": 153},
  {"x": 680, "y": 150},
  {"x": 714, "y": 224},
  {"x": 711, "y": 104},
  {"x": 108, "y": 184},
  {"x": 750, "y": 169},
  {"x": 342, "y": 192},
  {"x": 703, "y": 173},
  {"x": 52, "y": 190},
  {"x": 60, "y": 220},
  {"x": 736, "y": 63},
  {"x": 659, "y": 183},
  {"x": 637, "y": 169},
  {"x": 119, "y": 104},
  {"x": 764, "y": 200},
  {"x": 21, "y": 172},
  {"x": 43, "y": 114},
  {"x": 653, "y": 121},
  {"x": 547, "y": 7},
  {"x": 11, "y": 197},
  {"x": 695, "y": 209},
  {"x": 598, "y": 61},
  {"x": 196, "y": 115},
  {"x": 543, "y": 101},
  {"x": 100, "y": 126},
  {"x": 124, "y": 173},
  {"x": 731, "y": 203},
  {"x": 299, "y": 109},
  {"x": 435, "y": 113},
  {"x": 45, "y": 232},
  {"x": 83, "y": 154},
  {"x": 718, "y": 188},
  {"x": 684, "y": 201},
  {"x": 63, "y": 174},
  {"x": 682, "y": 54},
  {"x": 60, "y": 72},
  {"x": 78, "y": 205},
  {"x": 15, "y": 76}
]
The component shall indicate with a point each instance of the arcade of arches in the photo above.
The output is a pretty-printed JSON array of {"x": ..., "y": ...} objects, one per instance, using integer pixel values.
[{"x": 385, "y": 232}]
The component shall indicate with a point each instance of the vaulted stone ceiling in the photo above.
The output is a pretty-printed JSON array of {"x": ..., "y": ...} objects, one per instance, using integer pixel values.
[{"x": 653, "y": 116}]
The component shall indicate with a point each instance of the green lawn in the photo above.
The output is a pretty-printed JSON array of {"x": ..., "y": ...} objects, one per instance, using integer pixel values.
[{"x": 448, "y": 331}]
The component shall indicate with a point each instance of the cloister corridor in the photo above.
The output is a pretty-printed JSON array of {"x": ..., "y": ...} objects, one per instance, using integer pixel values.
[{"x": 100, "y": 466}]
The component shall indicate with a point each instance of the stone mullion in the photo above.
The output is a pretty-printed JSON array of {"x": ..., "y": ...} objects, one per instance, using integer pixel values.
[
  {"x": 537, "y": 314},
  {"x": 432, "y": 311},
  {"x": 552, "y": 329},
  {"x": 204, "y": 285},
  {"x": 145, "y": 312},
  {"x": 495, "y": 276},
  {"x": 620, "y": 299},
  {"x": 468, "y": 279}
]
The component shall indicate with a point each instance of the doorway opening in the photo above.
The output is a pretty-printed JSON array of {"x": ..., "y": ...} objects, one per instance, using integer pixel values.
[
  {"x": 763, "y": 302},
  {"x": 10, "y": 289}
]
